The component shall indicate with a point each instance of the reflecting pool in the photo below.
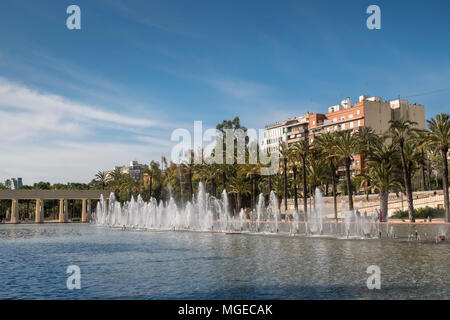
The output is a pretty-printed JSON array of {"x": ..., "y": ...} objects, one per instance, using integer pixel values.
[{"x": 131, "y": 264}]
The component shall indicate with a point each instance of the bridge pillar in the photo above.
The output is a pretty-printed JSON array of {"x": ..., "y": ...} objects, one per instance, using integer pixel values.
[
  {"x": 89, "y": 209},
  {"x": 84, "y": 215},
  {"x": 39, "y": 216},
  {"x": 63, "y": 210},
  {"x": 15, "y": 211}
]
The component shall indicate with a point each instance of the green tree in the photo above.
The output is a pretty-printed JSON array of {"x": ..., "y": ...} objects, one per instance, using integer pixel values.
[
  {"x": 345, "y": 147},
  {"x": 384, "y": 173},
  {"x": 302, "y": 150},
  {"x": 439, "y": 140},
  {"x": 326, "y": 143},
  {"x": 240, "y": 187},
  {"x": 102, "y": 178},
  {"x": 400, "y": 131}
]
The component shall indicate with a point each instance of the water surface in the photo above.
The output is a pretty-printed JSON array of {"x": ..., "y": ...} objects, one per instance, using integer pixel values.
[{"x": 118, "y": 264}]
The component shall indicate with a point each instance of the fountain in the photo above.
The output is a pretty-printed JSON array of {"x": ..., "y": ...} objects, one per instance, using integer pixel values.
[{"x": 207, "y": 213}]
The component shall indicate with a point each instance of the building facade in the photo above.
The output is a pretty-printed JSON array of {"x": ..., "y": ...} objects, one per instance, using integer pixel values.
[
  {"x": 13, "y": 183},
  {"x": 134, "y": 169},
  {"x": 369, "y": 111}
]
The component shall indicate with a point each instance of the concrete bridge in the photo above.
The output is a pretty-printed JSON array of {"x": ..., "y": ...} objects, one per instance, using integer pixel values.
[{"x": 62, "y": 195}]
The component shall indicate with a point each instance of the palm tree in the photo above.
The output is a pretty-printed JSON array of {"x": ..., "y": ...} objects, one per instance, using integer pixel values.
[
  {"x": 384, "y": 173},
  {"x": 153, "y": 172},
  {"x": 293, "y": 157},
  {"x": 284, "y": 152},
  {"x": 325, "y": 143},
  {"x": 366, "y": 140},
  {"x": 316, "y": 171},
  {"x": 302, "y": 150},
  {"x": 439, "y": 140},
  {"x": 250, "y": 171},
  {"x": 239, "y": 187},
  {"x": 208, "y": 173},
  {"x": 344, "y": 149},
  {"x": 422, "y": 144},
  {"x": 190, "y": 165},
  {"x": 400, "y": 131},
  {"x": 102, "y": 178}
]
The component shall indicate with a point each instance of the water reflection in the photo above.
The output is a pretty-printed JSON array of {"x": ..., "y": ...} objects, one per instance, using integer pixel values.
[{"x": 119, "y": 264}]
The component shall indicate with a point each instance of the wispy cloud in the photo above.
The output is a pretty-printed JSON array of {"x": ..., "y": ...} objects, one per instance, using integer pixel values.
[
  {"x": 45, "y": 136},
  {"x": 238, "y": 88},
  {"x": 22, "y": 98}
]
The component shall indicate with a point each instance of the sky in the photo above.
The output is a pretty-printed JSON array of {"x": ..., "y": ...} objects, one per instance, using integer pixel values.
[{"x": 74, "y": 102}]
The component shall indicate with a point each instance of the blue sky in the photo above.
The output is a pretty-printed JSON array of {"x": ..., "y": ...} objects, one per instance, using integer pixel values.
[{"x": 75, "y": 102}]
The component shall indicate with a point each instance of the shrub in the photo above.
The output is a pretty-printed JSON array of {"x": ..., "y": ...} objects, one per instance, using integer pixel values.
[{"x": 420, "y": 213}]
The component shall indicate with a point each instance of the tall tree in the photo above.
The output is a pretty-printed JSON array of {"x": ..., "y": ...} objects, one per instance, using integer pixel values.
[
  {"x": 284, "y": 153},
  {"x": 325, "y": 143},
  {"x": 102, "y": 178},
  {"x": 384, "y": 173},
  {"x": 421, "y": 139},
  {"x": 439, "y": 140},
  {"x": 302, "y": 150},
  {"x": 239, "y": 187},
  {"x": 293, "y": 164},
  {"x": 345, "y": 147},
  {"x": 400, "y": 131}
]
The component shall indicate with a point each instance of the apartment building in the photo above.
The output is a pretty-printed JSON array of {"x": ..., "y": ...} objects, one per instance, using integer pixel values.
[
  {"x": 134, "y": 169},
  {"x": 369, "y": 111},
  {"x": 290, "y": 131}
]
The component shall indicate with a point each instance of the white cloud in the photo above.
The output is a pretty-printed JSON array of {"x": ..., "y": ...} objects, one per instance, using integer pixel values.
[
  {"x": 239, "y": 89},
  {"x": 47, "y": 137},
  {"x": 23, "y": 98}
]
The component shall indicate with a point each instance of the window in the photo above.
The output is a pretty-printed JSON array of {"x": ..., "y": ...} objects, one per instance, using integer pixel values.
[
  {"x": 328, "y": 129},
  {"x": 342, "y": 118},
  {"x": 314, "y": 122},
  {"x": 350, "y": 116},
  {"x": 343, "y": 126},
  {"x": 335, "y": 128},
  {"x": 357, "y": 162},
  {"x": 335, "y": 119},
  {"x": 351, "y": 124},
  {"x": 358, "y": 112},
  {"x": 359, "y": 123}
]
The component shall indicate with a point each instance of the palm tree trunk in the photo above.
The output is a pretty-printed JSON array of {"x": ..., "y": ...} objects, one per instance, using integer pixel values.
[
  {"x": 333, "y": 181},
  {"x": 213, "y": 187},
  {"x": 305, "y": 203},
  {"x": 151, "y": 186},
  {"x": 191, "y": 189},
  {"x": 253, "y": 192},
  {"x": 238, "y": 203},
  {"x": 285, "y": 183},
  {"x": 445, "y": 185},
  {"x": 407, "y": 180},
  {"x": 294, "y": 169},
  {"x": 349, "y": 183},
  {"x": 384, "y": 204},
  {"x": 429, "y": 175},
  {"x": 270, "y": 184},
  {"x": 224, "y": 180},
  {"x": 423, "y": 171}
]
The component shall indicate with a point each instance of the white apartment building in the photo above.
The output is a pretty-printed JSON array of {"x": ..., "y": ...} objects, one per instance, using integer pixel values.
[{"x": 273, "y": 136}]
